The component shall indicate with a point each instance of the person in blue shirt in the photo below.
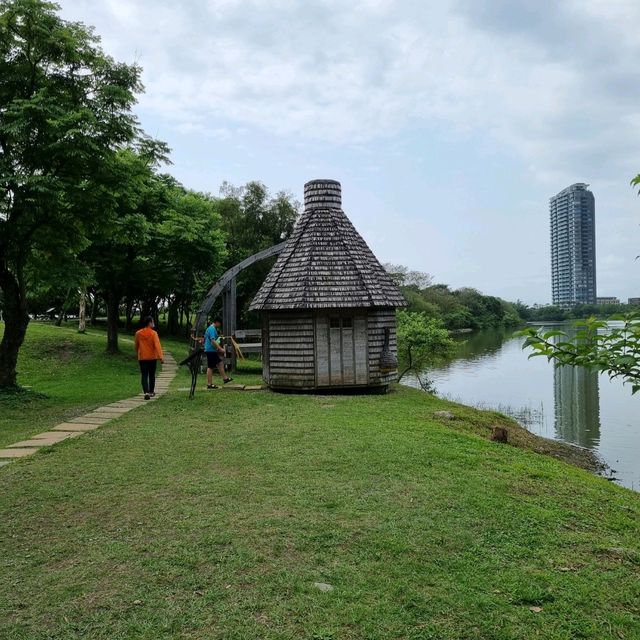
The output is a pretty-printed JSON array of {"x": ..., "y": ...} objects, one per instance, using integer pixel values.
[{"x": 214, "y": 353}]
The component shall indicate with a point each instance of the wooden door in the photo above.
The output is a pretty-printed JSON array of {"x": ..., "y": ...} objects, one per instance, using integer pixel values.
[{"x": 341, "y": 350}]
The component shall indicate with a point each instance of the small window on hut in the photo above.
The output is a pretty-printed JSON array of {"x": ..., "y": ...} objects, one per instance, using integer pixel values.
[
  {"x": 347, "y": 323},
  {"x": 334, "y": 323}
]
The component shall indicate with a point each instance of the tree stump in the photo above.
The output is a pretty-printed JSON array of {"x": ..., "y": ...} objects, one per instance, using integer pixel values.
[{"x": 499, "y": 434}]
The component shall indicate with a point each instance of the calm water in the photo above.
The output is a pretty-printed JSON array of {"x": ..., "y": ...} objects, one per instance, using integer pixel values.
[{"x": 575, "y": 405}]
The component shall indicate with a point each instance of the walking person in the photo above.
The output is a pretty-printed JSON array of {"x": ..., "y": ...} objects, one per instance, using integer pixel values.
[
  {"x": 214, "y": 352},
  {"x": 149, "y": 352}
]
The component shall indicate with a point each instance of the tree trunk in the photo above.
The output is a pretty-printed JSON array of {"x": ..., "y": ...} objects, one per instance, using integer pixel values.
[
  {"x": 82, "y": 312},
  {"x": 113, "y": 317},
  {"x": 129, "y": 314},
  {"x": 63, "y": 309},
  {"x": 16, "y": 321},
  {"x": 94, "y": 310},
  {"x": 172, "y": 323},
  {"x": 145, "y": 309}
]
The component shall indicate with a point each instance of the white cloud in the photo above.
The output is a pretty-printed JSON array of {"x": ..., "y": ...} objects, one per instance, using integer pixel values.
[
  {"x": 351, "y": 72},
  {"x": 554, "y": 84}
]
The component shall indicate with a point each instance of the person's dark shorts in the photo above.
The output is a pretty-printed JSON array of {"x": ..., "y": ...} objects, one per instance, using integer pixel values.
[{"x": 213, "y": 359}]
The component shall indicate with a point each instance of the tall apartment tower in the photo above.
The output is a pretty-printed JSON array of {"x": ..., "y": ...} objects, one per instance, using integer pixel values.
[{"x": 573, "y": 246}]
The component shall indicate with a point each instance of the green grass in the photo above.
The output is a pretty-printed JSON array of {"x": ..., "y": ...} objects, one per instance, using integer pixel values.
[
  {"x": 67, "y": 374},
  {"x": 213, "y": 518}
]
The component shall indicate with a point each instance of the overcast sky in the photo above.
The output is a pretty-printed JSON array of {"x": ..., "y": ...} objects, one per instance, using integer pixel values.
[{"x": 450, "y": 123}]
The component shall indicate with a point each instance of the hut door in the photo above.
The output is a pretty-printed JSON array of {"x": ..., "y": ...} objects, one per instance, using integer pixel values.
[{"x": 341, "y": 356}]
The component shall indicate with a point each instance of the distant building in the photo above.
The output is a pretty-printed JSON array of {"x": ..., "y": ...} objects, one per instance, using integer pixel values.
[
  {"x": 607, "y": 300},
  {"x": 634, "y": 301},
  {"x": 573, "y": 246}
]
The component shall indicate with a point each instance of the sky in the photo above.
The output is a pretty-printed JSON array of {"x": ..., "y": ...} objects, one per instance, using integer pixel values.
[{"x": 449, "y": 123}]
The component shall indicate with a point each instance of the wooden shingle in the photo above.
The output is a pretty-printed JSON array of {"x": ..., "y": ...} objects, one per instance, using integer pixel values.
[{"x": 326, "y": 263}]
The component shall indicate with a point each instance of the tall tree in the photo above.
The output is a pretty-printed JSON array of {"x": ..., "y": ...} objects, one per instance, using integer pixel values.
[
  {"x": 64, "y": 107},
  {"x": 129, "y": 198},
  {"x": 189, "y": 248},
  {"x": 254, "y": 220}
]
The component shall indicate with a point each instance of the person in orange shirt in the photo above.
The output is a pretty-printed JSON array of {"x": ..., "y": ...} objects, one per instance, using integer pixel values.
[{"x": 149, "y": 352}]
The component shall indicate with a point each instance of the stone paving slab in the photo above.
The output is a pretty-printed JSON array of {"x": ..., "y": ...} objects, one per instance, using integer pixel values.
[
  {"x": 102, "y": 416},
  {"x": 56, "y": 436},
  {"x": 89, "y": 420},
  {"x": 75, "y": 426},
  {"x": 17, "y": 453}
]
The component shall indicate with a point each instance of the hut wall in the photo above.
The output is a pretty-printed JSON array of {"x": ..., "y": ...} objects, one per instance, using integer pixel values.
[
  {"x": 289, "y": 357},
  {"x": 378, "y": 321}
]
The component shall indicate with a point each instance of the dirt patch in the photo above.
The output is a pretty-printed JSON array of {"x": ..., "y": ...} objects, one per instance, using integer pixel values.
[{"x": 63, "y": 350}]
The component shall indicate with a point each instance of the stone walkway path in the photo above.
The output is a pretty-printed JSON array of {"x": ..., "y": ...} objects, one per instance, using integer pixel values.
[{"x": 89, "y": 421}]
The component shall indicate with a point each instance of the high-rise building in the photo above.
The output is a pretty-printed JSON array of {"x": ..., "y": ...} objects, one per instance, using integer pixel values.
[{"x": 573, "y": 246}]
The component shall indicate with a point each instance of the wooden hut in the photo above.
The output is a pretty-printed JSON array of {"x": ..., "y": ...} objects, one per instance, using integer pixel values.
[{"x": 328, "y": 305}]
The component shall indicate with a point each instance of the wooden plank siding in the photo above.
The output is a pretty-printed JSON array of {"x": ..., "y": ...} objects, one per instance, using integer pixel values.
[
  {"x": 291, "y": 353},
  {"x": 378, "y": 321}
]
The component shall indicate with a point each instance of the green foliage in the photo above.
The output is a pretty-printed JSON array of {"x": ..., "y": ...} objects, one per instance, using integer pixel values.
[
  {"x": 597, "y": 344},
  {"x": 463, "y": 308},
  {"x": 253, "y": 220},
  {"x": 421, "y": 341},
  {"x": 64, "y": 107}
]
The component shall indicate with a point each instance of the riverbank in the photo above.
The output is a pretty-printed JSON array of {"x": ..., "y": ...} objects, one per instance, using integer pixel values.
[
  {"x": 223, "y": 517},
  {"x": 490, "y": 370}
]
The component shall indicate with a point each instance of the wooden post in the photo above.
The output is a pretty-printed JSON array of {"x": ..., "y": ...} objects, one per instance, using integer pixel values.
[{"x": 229, "y": 319}]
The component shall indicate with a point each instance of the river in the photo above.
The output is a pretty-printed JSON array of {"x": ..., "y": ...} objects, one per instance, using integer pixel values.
[{"x": 491, "y": 371}]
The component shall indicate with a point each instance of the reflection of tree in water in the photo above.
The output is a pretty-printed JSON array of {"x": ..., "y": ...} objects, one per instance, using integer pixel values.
[
  {"x": 478, "y": 345},
  {"x": 577, "y": 405}
]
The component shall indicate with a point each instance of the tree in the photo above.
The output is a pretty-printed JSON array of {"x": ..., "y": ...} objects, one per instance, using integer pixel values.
[
  {"x": 129, "y": 198},
  {"x": 64, "y": 107},
  {"x": 403, "y": 277},
  {"x": 596, "y": 345},
  {"x": 421, "y": 342},
  {"x": 189, "y": 248},
  {"x": 254, "y": 220}
]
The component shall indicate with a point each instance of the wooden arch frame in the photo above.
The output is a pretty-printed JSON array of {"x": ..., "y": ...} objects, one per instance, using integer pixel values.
[{"x": 226, "y": 286}]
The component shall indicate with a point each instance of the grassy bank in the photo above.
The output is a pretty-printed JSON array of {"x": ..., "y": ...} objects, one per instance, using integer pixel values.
[{"x": 215, "y": 518}]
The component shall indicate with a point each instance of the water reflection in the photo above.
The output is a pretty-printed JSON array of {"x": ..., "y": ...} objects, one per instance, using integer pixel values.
[{"x": 577, "y": 406}]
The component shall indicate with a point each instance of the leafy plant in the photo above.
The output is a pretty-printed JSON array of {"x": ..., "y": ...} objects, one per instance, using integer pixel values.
[
  {"x": 597, "y": 345},
  {"x": 421, "y": 341}
]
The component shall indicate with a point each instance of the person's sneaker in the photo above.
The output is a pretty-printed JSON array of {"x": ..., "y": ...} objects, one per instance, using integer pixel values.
[
  {"x": 212, "y": 386},
  {"x": 147, "y": 396},
  {"x": 153, "y": 394},
  {"x": 227, "y": 380}
]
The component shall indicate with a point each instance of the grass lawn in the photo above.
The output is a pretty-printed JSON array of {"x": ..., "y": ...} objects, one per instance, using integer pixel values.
[
  {"x": 214, "y": 518},
  {"x": 73, "y": 372}
]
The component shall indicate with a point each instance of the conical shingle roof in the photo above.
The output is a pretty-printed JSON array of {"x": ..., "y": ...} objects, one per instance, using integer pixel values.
[{"x": 326, "y": 264}]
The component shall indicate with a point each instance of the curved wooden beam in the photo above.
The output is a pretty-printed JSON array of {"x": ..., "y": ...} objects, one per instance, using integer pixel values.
[{"x": 218, "y": 287}]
